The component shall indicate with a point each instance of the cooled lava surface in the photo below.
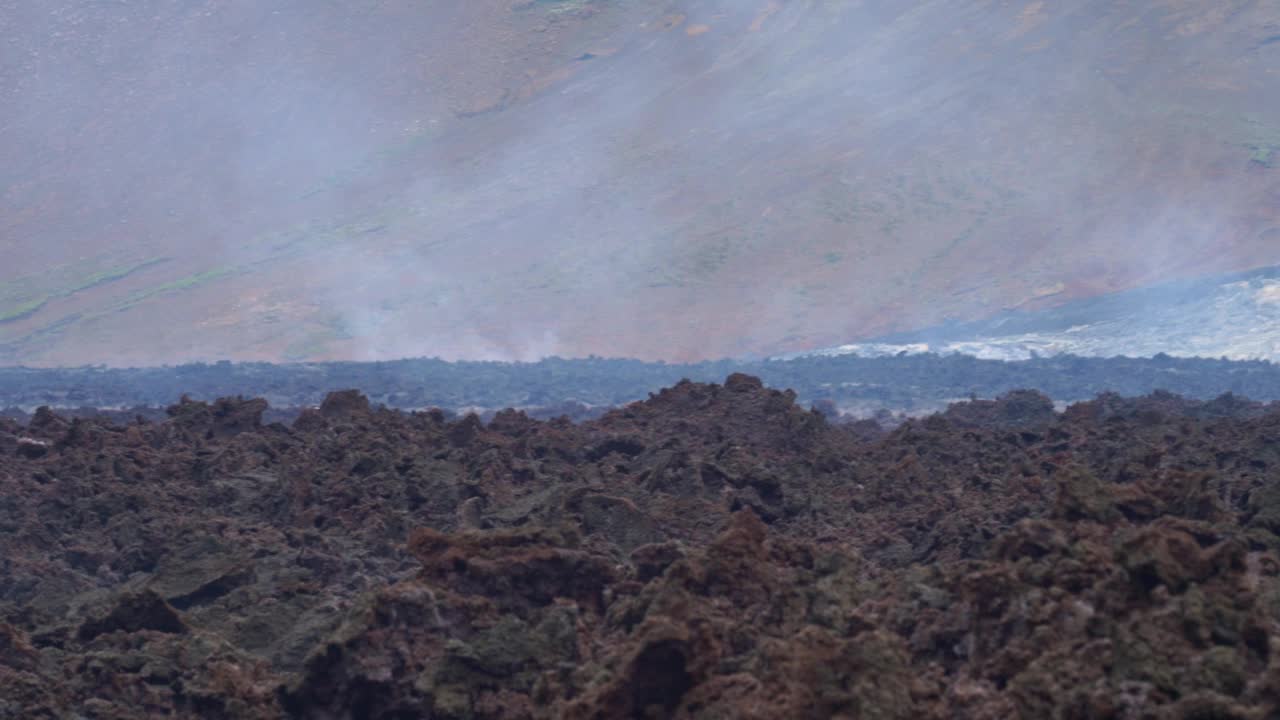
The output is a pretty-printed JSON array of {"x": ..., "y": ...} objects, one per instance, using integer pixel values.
[{"x": 715, "y": 551}]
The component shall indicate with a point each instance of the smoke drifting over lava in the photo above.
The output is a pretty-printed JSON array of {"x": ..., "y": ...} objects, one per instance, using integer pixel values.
[{"x": 668, "y": 180}]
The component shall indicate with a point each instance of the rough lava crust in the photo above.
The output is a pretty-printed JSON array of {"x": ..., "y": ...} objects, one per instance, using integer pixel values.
[{"x": 714, "y": 551}]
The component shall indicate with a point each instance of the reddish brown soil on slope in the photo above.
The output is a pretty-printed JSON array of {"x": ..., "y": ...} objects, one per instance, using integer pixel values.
[
  {"x": 657, "y": 179},
  {"x": 712, "y": 552}
]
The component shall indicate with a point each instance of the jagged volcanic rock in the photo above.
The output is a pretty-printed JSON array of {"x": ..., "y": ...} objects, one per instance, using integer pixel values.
[{"x": 713, "y": 552}]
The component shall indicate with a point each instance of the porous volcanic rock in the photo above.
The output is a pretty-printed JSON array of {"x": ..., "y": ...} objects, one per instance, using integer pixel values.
[{"x": 715, "y": 551}]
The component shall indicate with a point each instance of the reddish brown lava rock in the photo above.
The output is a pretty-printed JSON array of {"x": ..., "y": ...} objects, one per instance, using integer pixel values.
[
  {"x": 344, "y": 404},
  {"x": 134, "y": 613},
  {"x": 712, "y": 552}
]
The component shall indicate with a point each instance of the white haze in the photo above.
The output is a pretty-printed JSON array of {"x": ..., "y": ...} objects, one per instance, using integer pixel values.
[
  {"x": 428, "y": 218},
  {"x": 1236, "y": 318}
]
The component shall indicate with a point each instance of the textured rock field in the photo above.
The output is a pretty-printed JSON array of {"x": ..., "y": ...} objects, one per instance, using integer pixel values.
[{"x": 716, "y": 551}]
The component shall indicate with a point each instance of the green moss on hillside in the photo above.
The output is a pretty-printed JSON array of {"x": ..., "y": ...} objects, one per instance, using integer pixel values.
[
  {"x": 112, "y": 274},
  {"x": 22, "y": 310}
]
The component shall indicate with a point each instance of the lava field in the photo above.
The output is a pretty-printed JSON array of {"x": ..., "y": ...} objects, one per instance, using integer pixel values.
[
  {"x": 582, "y": 388},
  {"x": 714, "y": 551}
]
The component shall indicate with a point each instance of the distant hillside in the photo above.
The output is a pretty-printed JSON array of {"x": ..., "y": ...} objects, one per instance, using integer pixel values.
[
  {"x": 1235, "y": 316},
  {"x": 658, "y": 179}
]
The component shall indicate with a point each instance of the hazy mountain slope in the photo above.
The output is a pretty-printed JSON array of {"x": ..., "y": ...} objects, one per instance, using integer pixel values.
[
  {"x": 658, "y": 179},
  {"x": 1235, "y": 316}
]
